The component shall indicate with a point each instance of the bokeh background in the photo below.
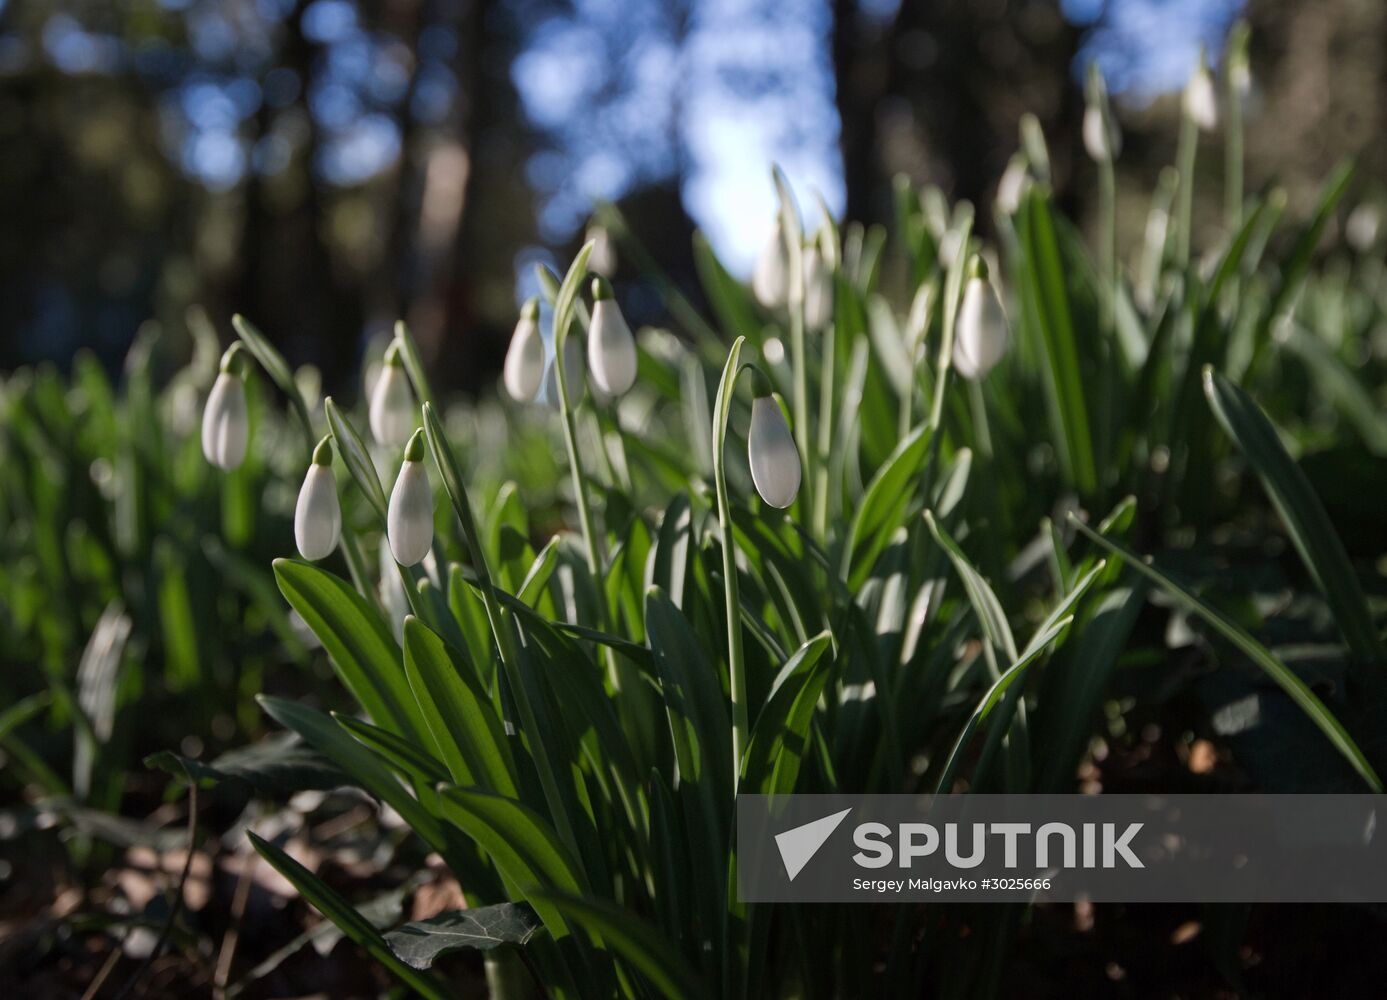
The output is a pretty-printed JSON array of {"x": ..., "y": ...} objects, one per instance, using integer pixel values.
[{"x": 326, "y": 166}]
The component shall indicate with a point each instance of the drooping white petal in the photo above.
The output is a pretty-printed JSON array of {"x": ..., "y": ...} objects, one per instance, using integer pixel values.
[
  {"x": 1362, "y": 227},
  {"x": 409, "y": 520},
  {"x": 602, "y": 259},
  {"x": 1012, "y": 185},
  {"x": 1201, "y": 100},
  {"x": 770, "y": 282},
  {"x": 226, "y": 423},
  {"x": 818, "y": 290},
  {"x": 524, "y": 369},
  {"x": 1102, "y": 139},
  {"x": 981, "y": 336},
  {"x": 611, "y": 349},
  {"x": 771, "y": 453},
  {"x": 392, "y": 407},
  {"x": 317, "y": 515}
]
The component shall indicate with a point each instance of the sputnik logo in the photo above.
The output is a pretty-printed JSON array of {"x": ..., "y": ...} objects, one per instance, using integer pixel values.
[{"x": 799, "y": 844}]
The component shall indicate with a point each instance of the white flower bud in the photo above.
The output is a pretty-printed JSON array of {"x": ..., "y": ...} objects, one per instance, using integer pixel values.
[
  {"x": 611, "y": 348},
  {"x": 1102, "y": 139},
  {"x": 771, "y": 453},
  {"x": 602, "y": 259},
  {"x": 770, "y": 282},
  {"x": 392, "y": 403},
  {"x": 981, "y": 336},
  {"x": 524, "y": 369},
  {"x": 818, "y": 289},
  {"x": 409, "y": 520},
  {"x": 226, "y": 422},
  {"x": 1201, "y": 100},
  {"x": 1362, "y": 227},
  {"x": 572, "y": 371},
  {"x": 1012, "y": 185},
  {"x": 318, "y": 515}
]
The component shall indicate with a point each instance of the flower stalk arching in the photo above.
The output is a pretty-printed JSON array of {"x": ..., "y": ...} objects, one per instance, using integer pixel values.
[
  {"x": 794, "y": 300},
  {"x": 563, "y": 319},
  {"x": 1198, "y": 110},
  {"x": 782, "y": 495},
  {"x": 1103, "y": 140},
  {"x": 1237, "y": 83},
  {"x": 736, "y": 657}
]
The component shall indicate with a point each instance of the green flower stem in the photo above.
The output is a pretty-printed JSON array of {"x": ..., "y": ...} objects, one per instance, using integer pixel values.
[
  {"x": 953, "y": 292},
  {"x": 580, "y": 495},
  {"x": 799, "y": 359},
  {"x": 1184, "y": 161},
  {"x": 825, "y": 447},
  {"x": 502, "y": 628},
  {"x": 1107, "y": 200},
  {"x": 736, "y": 660}
]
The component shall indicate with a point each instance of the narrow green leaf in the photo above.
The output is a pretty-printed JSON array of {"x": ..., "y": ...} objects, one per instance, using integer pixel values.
[
  {"x": 344, "y": 915},
  {"x": 635, "y": 941},
  {"x": 458, "y": 712},
  {"x": 985, "y": 604},
  {"x": 780, "y": 738},
  {"x": 368, "y": 770},
  {"x": 356, "y": 457},
  {"x": 1301, "y": 511},
  {"x": 356, "y": 639},
  {"x": 407, "y": 758},
  {"x": 1284, "y": 677},
  {"x": 523, "y": 845},
  {"x": 990, "y": 700},
  {"x": 278, "y": 369}
]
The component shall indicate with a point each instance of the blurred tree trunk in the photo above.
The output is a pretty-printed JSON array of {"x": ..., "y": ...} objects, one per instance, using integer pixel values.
[{"x": 937, "y": 93}]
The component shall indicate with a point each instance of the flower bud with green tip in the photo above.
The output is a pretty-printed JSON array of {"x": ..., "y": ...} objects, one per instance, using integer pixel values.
[
  {"x": 611, "y": 348},
  {"x": 392, "y": 401},
  {"x": 818, "y": 288},
  {"x": 524, "y": 369},
  {"x": 226, "y": 420},
  {"x": 981, "y": 334},
  {"x": 318, "y": 514},
  {"x": 770, "y": 447},
  {"x": 1200, "y": 100},
  {"x": 770, "y": 282},
  {"x": 409, "y": 520}
]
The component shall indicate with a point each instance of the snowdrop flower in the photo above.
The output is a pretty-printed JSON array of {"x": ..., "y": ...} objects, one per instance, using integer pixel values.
[
  {"x": 818, "y": 288},
  {"x": 771, "y": 451},
  {"x": 409, "y": 520},
  {"x": 318, "y": 515},
  {"x": 611, "y": 348},
  {"x": 1102, "y": 138},
  {"x": 1362, "y": 226},
  {"x": 392, "y": 402},
  {"x": 771, "y": 280},
  {"x": 572, "y": 373},
  {"x": 225, "y": 421},
  {"x": 1200, "y": 98},
  {"x": 602, "y": 259},
  {"x": 981, "y": 336},
  {"x": 524, "y": 370},
  {"x": 1012, "y": 185}
]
